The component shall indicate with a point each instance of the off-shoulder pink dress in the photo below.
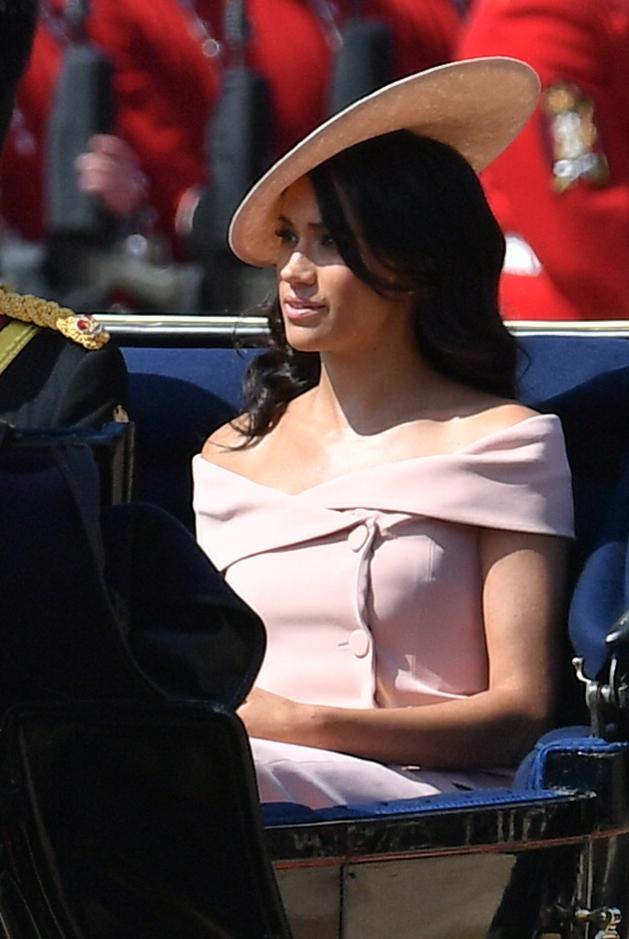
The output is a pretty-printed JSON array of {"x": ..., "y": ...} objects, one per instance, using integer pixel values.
[{"x": 369, "y": 585}]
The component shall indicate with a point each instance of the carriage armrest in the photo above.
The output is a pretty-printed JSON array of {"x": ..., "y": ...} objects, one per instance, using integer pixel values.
[{"x": 567, "y": 787}]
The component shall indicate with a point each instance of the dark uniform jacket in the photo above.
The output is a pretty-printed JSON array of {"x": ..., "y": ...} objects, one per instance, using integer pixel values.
[{"x": 55, "y": 382}]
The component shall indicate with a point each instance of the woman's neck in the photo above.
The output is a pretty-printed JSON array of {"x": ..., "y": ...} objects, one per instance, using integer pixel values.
[{"x": 369, "y": 393}]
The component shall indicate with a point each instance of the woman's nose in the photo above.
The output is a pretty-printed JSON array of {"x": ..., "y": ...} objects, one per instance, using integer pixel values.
[{"x": 298, "y": 268}]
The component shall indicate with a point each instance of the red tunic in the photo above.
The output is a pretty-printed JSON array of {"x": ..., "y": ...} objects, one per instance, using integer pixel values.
[
  {"x": 579, "y": 234},
  {"x": 290, "y": 49},
  {"x": 424, "y": 33},
  {"x": 165, "y": 89},
  {"x": 22, "y": 166},
  {"x": 290, "y": 46}
]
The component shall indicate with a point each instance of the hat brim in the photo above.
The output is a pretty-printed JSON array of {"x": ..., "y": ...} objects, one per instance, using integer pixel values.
[{"x": 478, "y": 106}]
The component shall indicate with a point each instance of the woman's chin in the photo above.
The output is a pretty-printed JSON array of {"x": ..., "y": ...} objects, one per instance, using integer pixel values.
[
  {"x": 303, "y": 343},
  {"x": 303, "y": 338}
]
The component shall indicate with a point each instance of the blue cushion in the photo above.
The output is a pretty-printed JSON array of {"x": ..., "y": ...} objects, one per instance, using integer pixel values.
[
  {"x": 601, "y": 593},
  {"x": 530, "y": 785},
  {"x": 177, "y": 397},
  {"x": 289, "y": 813},
  {"x": 553, "y": 365},
  {"x": 586, "y": 382}
]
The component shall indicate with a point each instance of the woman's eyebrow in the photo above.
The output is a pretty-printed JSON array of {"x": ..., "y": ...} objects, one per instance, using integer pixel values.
[{"x": 287, "y": 221}]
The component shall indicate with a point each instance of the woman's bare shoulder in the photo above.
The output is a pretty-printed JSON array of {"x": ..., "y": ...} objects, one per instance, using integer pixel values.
[
  {"x": 504, "y": 414},
  {"x": 224, "y": 442},
  {"x": 485, "y": 416}
]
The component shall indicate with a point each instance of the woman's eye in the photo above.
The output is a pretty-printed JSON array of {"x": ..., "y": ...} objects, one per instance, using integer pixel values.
[
  {"x": 328, "y": 241},
  {"x": 285, "y": 235}
]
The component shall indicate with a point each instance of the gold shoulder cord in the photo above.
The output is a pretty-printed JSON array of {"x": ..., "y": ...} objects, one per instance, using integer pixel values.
[{"x": 81, "y": 328}]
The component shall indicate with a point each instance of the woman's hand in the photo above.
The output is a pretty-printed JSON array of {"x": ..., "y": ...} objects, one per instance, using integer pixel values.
[{"x": 273, "y": 717}]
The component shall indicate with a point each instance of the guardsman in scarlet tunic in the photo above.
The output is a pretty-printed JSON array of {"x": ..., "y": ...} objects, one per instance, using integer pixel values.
[
  {"x": 167, "y": 61},
  {"x": 291, "y": 46},
  {"x": 167, "y": 64},
  {"x": 22, "y": 163},
  {"x": 424, "y": 33},
  {"x": 561, "y": 190},
  {"x": 164, "y": 55},
  {"x": 167, "y": 75}
]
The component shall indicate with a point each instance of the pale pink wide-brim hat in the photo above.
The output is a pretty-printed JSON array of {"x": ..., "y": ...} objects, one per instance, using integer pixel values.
[{"x": 478, "y": 106}]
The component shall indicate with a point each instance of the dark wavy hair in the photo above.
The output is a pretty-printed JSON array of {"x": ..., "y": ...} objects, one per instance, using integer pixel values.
[{"x": 418, "y": 211}]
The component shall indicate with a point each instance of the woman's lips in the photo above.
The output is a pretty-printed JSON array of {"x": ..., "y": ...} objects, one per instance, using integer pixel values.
[{"x": 302, "y": 311}]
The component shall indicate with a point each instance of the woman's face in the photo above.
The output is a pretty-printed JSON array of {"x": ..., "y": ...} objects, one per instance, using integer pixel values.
[{"x": 325, "y": 307}]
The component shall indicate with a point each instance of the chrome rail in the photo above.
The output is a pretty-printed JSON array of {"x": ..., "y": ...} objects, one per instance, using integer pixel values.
[{"x": 156, "y": 329}]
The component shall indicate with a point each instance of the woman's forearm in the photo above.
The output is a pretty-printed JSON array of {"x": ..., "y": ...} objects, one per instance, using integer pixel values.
[{"x": 487, "y": 729}]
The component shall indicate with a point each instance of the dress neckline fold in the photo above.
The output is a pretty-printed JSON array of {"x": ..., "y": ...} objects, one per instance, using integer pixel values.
[{"x": 506, "y": 433}]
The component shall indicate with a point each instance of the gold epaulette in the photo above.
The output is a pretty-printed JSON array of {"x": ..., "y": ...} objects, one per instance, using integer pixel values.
[{"x": 79, "y": 327}]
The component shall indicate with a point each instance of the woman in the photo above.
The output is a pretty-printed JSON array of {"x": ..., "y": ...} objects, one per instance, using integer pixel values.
[{"x": 394, "y": 515}]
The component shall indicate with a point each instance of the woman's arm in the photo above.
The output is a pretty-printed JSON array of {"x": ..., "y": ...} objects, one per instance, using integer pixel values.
[{"x": 523, "y": 609}]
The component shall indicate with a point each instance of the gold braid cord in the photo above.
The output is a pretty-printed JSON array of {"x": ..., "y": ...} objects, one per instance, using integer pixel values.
[{"x": 81, "y": 327}]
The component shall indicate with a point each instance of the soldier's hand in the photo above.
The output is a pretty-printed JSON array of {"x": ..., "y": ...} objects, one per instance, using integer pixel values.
[{"x": 110, "y": 171}]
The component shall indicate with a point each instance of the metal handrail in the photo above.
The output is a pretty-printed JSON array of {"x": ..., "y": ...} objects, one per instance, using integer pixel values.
[{"x": 155, "y": 328}]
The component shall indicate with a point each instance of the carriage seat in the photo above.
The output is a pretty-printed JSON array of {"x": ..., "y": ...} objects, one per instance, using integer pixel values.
[{"x": 178, "y": 396}]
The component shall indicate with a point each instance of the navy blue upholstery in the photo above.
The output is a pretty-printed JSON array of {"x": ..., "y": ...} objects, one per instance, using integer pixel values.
[
  {"x": 532, "y": 772},
  {"x": 177, "y": 398},
  {"x": 180, "y": 395},
  {"x": 586, "y": 382},
  {"x": 287, "y": 813},
  {"x": 553, "y": 365}
]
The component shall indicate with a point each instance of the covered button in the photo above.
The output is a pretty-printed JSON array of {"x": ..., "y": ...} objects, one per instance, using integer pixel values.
[
  {"x": 359, "y": 643},
  {"x": 358, "y": 536}
]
